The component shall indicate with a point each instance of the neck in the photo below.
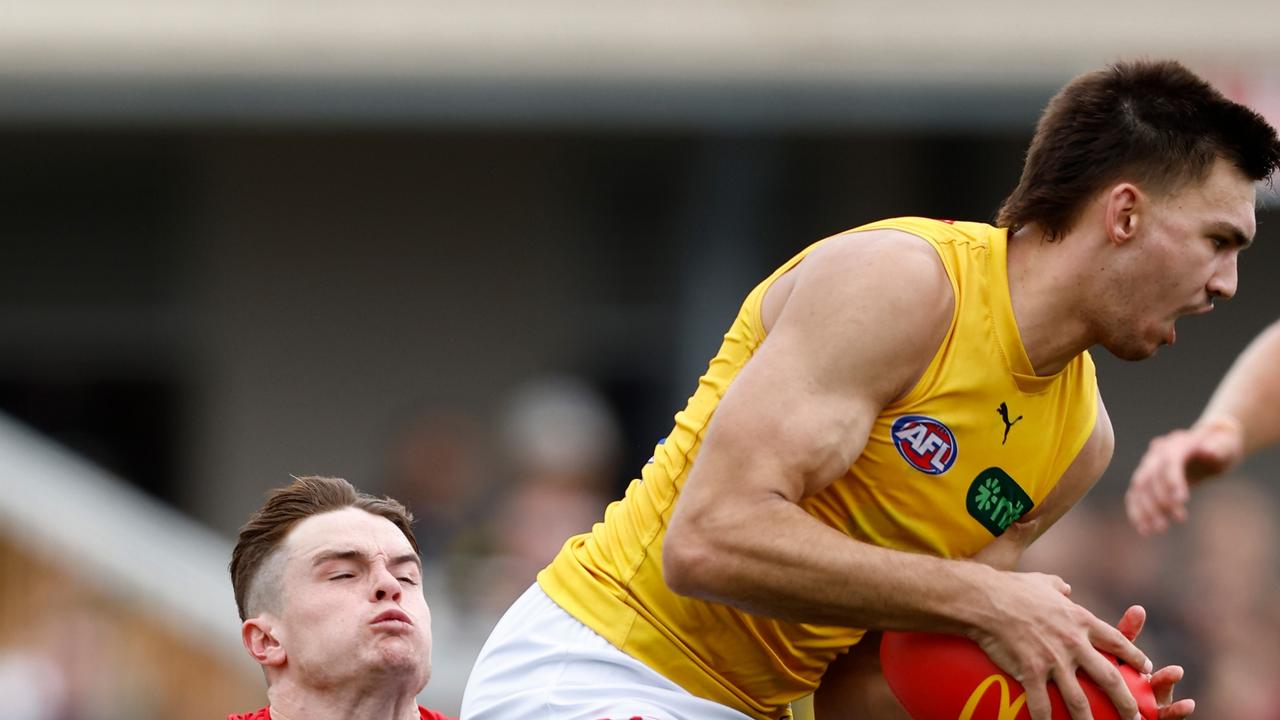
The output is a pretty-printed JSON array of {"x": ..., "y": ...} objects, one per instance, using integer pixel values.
[
  {"x": 290, "y": 701},
  {"x": 1048, "y": 289}
]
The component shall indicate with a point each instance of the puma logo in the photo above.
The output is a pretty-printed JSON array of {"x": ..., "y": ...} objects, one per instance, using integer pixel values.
[{"x": 1004, "y": 415}]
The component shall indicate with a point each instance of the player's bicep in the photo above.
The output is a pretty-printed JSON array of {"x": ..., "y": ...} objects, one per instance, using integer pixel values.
[{"x": 860, "y": 325}]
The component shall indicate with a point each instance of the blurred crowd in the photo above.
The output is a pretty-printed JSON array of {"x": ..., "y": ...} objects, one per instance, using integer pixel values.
[{"x": 494, "y": 504}]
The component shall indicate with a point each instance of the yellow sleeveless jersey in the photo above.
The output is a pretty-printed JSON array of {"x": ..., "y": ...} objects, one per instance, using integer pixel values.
[{"x": 978, "y": 442}]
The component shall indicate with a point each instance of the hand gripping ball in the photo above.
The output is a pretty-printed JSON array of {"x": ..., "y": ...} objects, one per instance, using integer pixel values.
[{"x": 948, "y": 677}]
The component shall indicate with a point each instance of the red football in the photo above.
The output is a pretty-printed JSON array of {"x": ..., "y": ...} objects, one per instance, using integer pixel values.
[{"x": 948, "y": 677}]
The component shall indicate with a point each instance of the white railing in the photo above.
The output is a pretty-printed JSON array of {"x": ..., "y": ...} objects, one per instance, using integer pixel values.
[{"x": 118, "y": 540}]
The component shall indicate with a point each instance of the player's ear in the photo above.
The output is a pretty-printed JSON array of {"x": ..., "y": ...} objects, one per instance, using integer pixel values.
[
  {"x": 261, "y": 637},
  {"x": 1123, "y": 212}
]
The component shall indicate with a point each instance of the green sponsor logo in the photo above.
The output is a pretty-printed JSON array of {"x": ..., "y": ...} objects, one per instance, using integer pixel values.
[{"x": 996, "y": 501}]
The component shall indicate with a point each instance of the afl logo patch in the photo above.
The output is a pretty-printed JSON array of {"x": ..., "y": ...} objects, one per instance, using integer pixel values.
[{"x": 926, "y": 444}]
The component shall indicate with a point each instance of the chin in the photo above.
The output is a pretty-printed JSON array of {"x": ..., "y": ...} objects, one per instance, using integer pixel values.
[
  {"x": 402, "y": 657},
  {"x": 402, "y": 670},
  {"x": 1131, "y": 349}
]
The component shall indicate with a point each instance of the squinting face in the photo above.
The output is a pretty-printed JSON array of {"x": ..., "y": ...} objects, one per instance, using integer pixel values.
[
  {"x": 1182, "y": 258},
  {"x": 352, "y": 607}
]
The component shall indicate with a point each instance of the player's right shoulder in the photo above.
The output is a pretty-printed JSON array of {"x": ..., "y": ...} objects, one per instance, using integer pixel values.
[
  {"x": 890, "y": 261},
  {"x": 849, "y": 263},
  {"x": 877, "y": 303}
]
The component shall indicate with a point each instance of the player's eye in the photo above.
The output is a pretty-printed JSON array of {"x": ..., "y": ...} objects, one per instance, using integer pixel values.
[
  {"x": 342, "y": 576},
  {"x": 409, "y": 580}
]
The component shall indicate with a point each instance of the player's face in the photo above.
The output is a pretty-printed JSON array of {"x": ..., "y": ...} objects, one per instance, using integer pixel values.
[
  {"x": 352, "y": 603},
  {"x": 1182, "y": 259}
]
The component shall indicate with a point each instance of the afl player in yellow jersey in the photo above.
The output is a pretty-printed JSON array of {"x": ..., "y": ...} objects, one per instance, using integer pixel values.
[{"x": 894, "y": 403}]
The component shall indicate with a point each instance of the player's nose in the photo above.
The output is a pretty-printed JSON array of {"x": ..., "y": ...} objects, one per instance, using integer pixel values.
[
  {"x": 1223, "y": 282},
  {"x": 384, "y": 584}
]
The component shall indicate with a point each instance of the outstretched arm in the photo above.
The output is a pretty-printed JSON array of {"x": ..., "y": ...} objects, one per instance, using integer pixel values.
[
  {"x": 1242, "y": 416},
  {"x": 863, "y": 319}
]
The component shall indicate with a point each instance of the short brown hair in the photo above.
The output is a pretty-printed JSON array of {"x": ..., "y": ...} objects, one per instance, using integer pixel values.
[
  {"x": 287, "y": 506},
  {"x": 1149, "y": 122}
]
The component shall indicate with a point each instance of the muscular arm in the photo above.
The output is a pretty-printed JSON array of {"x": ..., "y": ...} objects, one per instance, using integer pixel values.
[
  {"x": 862, "y": 320},
  {"x": 1242, "y": 416}
]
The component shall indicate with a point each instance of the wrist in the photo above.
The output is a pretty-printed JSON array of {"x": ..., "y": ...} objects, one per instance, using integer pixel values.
[
  {"x": 1221, "y": 422},
  {"x": 1228, "y": 435},
  {"x": 973, "y": 606}
]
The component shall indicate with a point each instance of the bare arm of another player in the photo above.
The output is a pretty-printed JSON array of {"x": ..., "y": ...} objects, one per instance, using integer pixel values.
[
  {"x": 1243, "y": 416},
  {"x": 863, "y": 319}
]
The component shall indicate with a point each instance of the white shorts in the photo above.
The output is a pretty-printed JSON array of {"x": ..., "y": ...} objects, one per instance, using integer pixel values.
[{"x": 541, "y": 663}]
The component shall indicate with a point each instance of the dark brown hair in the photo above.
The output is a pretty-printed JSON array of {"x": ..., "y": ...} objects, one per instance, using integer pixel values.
[
  {"x": 285, "y": 507},
  {"x": 1152, "y": 123}
]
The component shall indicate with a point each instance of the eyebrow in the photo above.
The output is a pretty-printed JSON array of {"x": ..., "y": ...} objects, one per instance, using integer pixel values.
[
  {"x": 1230, "y": 232},
  {"x": 330, "y": 555}
]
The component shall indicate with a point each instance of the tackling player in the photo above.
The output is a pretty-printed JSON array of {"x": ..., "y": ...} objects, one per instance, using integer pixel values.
[{"x": 328, "y": 583}]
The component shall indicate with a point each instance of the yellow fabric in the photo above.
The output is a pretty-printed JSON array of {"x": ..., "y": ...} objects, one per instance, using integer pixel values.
[{"x": 611, "y": 578}]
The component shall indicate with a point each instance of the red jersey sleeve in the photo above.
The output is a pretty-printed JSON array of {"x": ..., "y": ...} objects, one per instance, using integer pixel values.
[{"x": 429, "y": 714}]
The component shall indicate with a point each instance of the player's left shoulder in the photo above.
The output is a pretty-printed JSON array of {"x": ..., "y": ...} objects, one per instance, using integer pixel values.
[{"x": 432, "y": 714}]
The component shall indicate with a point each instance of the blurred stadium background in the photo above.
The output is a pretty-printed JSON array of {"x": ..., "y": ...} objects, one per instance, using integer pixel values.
[{"x": 474, "y": 255}]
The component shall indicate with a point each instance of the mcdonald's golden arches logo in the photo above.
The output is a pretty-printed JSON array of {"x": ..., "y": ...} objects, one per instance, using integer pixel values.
[{"x": 1008, "y": 708}]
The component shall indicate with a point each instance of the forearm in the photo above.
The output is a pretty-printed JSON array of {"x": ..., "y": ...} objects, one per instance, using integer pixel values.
[
  {"x": 1249, "y": 394},
  {"x": 771, "y": 558}
]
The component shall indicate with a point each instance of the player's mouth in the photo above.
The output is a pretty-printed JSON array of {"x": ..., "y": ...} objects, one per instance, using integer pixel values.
[
  {"x": 1195, "y": 310},
  {"x": 391, "y": 617}
]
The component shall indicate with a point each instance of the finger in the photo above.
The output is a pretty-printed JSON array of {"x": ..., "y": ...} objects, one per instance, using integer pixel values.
[
  {"x": 1056, "y": 582},
  {"x": 1131, "y": 622},
  {"x": 1143, "y": 497},
  {"x": 1108, "y": 677},
  {"x": 1038, "y": 700},
  {"x": 1135, "y": 509},
  {"x": 1109, "y": 639},
  {"x": 1169, "y": 490},
  {"x": 1172, "y": 501},
  {"x": 1177, "y": 711},
  {"x": 1157, "y": 523},
  {"x": 1131, "y": 511},
  {"x": 1073, "y": 695},
  {"x": 1162, "y": 682},
  {"x": 1148, "y": 519}
]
